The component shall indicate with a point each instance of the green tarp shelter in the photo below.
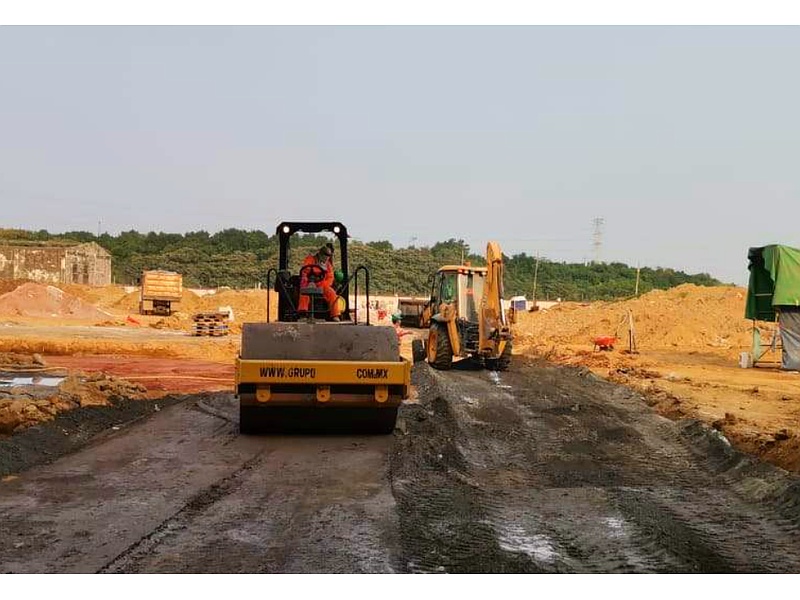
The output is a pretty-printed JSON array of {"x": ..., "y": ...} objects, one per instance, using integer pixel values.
[
  {"x": 774, "y": 291},
  {"x": 774, "y": 280}
]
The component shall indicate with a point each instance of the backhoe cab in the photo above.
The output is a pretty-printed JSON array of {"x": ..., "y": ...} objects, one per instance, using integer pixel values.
[{"x": 466, "y": 317}]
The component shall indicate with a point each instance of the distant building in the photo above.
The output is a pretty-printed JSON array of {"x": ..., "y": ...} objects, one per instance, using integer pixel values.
[{"x": 88, "y": 263}]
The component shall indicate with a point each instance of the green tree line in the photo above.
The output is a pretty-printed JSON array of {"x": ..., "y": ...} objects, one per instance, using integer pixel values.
[{"x": 240, "y": 259}]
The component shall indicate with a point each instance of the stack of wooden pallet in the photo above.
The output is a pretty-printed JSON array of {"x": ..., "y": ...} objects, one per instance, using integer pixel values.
[{"x": 210, "y": 324}]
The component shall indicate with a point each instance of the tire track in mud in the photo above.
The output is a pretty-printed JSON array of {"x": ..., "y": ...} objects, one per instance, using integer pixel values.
[
  {"x": 444, "y": 526},
  {"x": 128, "y": 560},
  {"x": 301, "y": 505},
  {"x": 497, "y": 452},
  {"x": 550, "y": 469},
  {"x": 185, "y": 493}
]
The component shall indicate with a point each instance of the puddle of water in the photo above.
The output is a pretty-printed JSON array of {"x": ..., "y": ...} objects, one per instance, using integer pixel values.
[
  {"x": 616, "y": 525},
  {"x": 496, "y": 380},
  {"x": 537, "y": 546},
  {"x": 33, "y": 380}
]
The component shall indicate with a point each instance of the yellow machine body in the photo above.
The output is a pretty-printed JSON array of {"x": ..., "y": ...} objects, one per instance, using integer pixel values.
[
  {"x": 320, "y": 378},
  {"x": 312, "y": 369},
  {"x": 331, "y": 382},
  {"x": 465, "y": 314}
]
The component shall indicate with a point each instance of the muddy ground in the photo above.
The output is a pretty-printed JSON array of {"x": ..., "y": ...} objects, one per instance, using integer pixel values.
[
  {"x": 689, "y": 339},
  {"x": 543, "y": 468},
  {"x": 688, "y": 342}
]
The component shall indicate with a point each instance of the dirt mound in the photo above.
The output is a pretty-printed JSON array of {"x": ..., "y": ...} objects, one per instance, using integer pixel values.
[
  {"x": 39, "y": 300},
  {"x": 101, "y": 297},
  {"x": 15, "y": 361},
  {"x": 171, "y": 322},
  {"x": 247, "y": 305},
  {"x": 95, "y": 389},
  {"x": 687, "y": 316},
  {"x": 9, "y": 285},
  {"x": 129, "y": 302},
  {"x": 689, "y": 339},
  {"x": 27, "y": 405}
]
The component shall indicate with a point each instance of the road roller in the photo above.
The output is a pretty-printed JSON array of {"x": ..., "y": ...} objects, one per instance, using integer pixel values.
[{"x": 317, "y": 364}]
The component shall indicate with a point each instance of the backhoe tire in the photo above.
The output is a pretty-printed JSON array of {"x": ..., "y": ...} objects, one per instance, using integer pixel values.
[
  {"x": 417, "y": 351},
  {"x": 440, "y": 352},
  {"x": 503, "y": 361}
]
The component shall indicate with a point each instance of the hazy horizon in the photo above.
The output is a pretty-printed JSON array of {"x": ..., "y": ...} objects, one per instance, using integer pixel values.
[{"x": 680, "y": 138}]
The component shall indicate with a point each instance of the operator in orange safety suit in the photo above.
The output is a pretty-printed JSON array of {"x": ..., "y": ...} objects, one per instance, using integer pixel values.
[
  {"x": 321, "y": 277},
  {"x": 397, "y": 319}
]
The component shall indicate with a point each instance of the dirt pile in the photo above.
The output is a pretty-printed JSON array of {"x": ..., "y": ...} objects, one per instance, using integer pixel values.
[
  {"x": 247, "y": 305},
  {"x": 95, "y": 389},
  {"x": 39, "y": 300},
  {"x": 123, "y": 306},
  {"x": 104, "y": 297},
  {"x": 9, "y": 285},
  {"x": 13, "y": 361},
  {"x": 689, "y": 339},
  {"x": 687, "y": 316},
  {"x": 171, "y": 322},
  {"x": 27, "y": 405},
  {"x": 129, "y": 302}
]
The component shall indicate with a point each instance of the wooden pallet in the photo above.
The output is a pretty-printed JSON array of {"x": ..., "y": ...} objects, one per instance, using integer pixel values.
[
  {"x": 210, "y": 324},
  {"x": 209, "y": 317},
  {"x": 210, "y": 332}
]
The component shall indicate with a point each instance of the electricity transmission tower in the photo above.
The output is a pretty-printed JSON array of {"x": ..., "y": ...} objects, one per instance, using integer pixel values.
[{"x": 597, "y": 237}]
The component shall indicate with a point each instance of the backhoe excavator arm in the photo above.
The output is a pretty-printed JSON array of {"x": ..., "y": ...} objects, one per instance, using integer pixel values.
[{"x": 493, "y": 328}]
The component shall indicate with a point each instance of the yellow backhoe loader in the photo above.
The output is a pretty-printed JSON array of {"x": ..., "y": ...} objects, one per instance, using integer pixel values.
[
  {"x": 465, "y": 316},
  {"x": 308, "y": 372}
]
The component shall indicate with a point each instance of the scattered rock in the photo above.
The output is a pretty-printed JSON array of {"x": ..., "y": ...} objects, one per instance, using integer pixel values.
[{"x": 20, "y": 361}]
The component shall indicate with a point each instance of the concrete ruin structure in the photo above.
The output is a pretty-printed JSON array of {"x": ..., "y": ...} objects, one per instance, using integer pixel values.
[{"x": 87, "y": 263}]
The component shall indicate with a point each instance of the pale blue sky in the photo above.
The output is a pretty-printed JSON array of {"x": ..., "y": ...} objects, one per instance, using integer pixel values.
[{"x": 683, "y": 139}]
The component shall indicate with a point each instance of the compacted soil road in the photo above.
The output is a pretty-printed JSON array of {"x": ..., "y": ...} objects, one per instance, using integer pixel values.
[{"x": 538, "y": 469}]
